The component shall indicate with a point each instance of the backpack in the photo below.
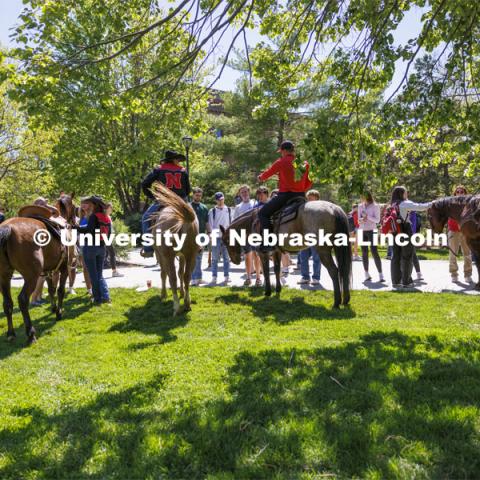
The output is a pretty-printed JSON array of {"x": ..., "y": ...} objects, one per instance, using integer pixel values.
[
  {"x": 392, "y": 221},
  {"x": 214, "y": 210},
  {"x": 104, "y": 222}
]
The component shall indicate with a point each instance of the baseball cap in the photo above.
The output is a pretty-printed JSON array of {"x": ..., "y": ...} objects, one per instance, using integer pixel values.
[
  {"x": 219, "y": 196},
  {"x": 287, "y": 145}
]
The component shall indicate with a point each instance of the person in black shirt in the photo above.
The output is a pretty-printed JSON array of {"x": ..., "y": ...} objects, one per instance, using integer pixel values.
[{"x": 173, "y": 176}]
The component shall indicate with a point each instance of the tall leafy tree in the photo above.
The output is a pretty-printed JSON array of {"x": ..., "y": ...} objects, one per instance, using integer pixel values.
[{"x": 109, "y": 133}]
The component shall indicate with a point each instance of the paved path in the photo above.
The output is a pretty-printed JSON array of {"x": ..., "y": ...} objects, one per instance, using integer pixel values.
[{"x": 435, "y": 273}]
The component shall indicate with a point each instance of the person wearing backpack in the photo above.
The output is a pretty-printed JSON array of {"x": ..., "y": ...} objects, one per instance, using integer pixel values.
[
  {"x": 396, "y": 221},
  {"x": 220, "y": 215},
  {"x": 368, "y": 219},
  {"x": 94, "y": 255}
]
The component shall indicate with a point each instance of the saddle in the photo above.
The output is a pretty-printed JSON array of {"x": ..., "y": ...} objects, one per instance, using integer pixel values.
[
  {"x": 286, "y": 214},
  {"x": 289, "y": 212},
  {"x": 47, "y": 215}
]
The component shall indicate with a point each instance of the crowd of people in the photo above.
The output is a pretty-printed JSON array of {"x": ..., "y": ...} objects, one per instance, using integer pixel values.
[{"x": 94, "y": 214}]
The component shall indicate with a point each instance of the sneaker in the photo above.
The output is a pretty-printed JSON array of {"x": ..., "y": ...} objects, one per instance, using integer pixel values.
[
  {"x": 214, "y": 281},
  {"x": 226, "y": 281},
  {"x": 71, "y": 291},
  {"x": 382, "y": 278},
  {"x": 315, "y": 281},
  {"x": 454, "y": 277},
  {"x": 247, "y": 282},
  {"x": 356, "y": 258},
  {"x": 419, "y": 276},
  {"x": 367, "y": 276},
  {"x": 258, "y": 282},
  {"x": 285, "y": 270},
  {"x": 409, "y": 286},
  {"x": 117, "y": 274},
  {"x": 397, "y": 286},
  {"x": 194, "y": 283},
  {"x": 468, "y": 279},
  {"x": 89, "y": 291},
  {"x": 304, "y": 281}
]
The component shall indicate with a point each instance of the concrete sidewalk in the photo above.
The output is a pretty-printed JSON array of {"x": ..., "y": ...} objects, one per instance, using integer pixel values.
[{"x": 435, "y": 273}]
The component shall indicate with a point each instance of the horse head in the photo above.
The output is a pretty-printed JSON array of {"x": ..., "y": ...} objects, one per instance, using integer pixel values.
[
  {"x": 234, "y": 251},
  {"x": 437, "y": 216},
  {"x": 66, "y": 207}
]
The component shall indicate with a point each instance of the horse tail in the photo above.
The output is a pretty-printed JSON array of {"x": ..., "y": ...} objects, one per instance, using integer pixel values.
[
  {"x": 182, "y": 212},
  {"x": 5, "y": 232},
  {"x": 343, "y": 254}
]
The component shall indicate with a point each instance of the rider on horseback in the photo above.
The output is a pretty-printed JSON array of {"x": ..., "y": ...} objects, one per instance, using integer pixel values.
[
  {"x": 173, "y": 176},
  {"x": 288, "y": 186}
]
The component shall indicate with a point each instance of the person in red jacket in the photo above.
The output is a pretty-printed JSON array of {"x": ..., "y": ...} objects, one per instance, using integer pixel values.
[
  {"x": 289, "y": 187},
  {"x": 456, "y": 240}
]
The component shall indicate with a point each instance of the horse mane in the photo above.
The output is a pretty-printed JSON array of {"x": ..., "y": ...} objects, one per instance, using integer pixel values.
[
  {"x": 244, "y": 217},
  {"x": 460, "y": 200},
  {"x": 182, "y": 212}
]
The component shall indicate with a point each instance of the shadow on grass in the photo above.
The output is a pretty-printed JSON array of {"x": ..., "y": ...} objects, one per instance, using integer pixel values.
[
  {"x": 154, "y": 318},
  {"x": 43, "y": 320},
  {"x": 387, "y": 405},
  {"x": 282, "y": 310}
]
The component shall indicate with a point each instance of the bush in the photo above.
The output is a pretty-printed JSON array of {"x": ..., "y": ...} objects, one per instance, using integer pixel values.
[
  {"x": 134, "y": 222},
  {"x": 119, "y": 226}
]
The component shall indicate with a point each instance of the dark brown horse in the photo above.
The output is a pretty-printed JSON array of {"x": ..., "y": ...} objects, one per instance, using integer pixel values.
[
  {"x": 465, "y": 210},
  {"x": 20, "y": 252},
  {"x": 312, "y": 217}
]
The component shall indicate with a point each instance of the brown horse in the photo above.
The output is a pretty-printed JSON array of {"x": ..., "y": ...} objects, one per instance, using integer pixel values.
[
  {"x": 311, "y": 217},
  {"x": 465, "y": 209},
  {"x": 178, "y": 217},
  {"x": 20, "y": 252}
]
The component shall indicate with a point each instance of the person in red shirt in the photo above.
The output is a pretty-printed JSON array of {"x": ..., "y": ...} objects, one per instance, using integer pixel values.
[
  {"x": 288, "y": 186},
  {"x": 456, "y": 240}
]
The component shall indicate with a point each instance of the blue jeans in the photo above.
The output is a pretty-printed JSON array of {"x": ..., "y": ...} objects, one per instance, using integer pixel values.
[
  {"x": 147, "y": 222},
  {"x": 94, "y": 257},
  {"x": 197, "y": 271},
  {"x": 217, "y": 250},
  {"x": 303, "y": 257}
]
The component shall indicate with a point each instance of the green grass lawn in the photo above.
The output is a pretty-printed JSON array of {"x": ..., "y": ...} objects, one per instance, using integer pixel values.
[{"x": 245, "y": 387}]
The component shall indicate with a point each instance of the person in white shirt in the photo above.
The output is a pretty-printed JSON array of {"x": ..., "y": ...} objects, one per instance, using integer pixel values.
[
  {"x": 244, "y": 206},
  {"x": 219, "y": 215},
  {"x": 368, "y": 219},
  {"x": 402, "y": 259}
]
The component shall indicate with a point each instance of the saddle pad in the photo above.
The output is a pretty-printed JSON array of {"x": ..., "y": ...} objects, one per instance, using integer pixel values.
[
  {"x": 290, "y": 211},
  {"x": 52, "y": 226}
]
